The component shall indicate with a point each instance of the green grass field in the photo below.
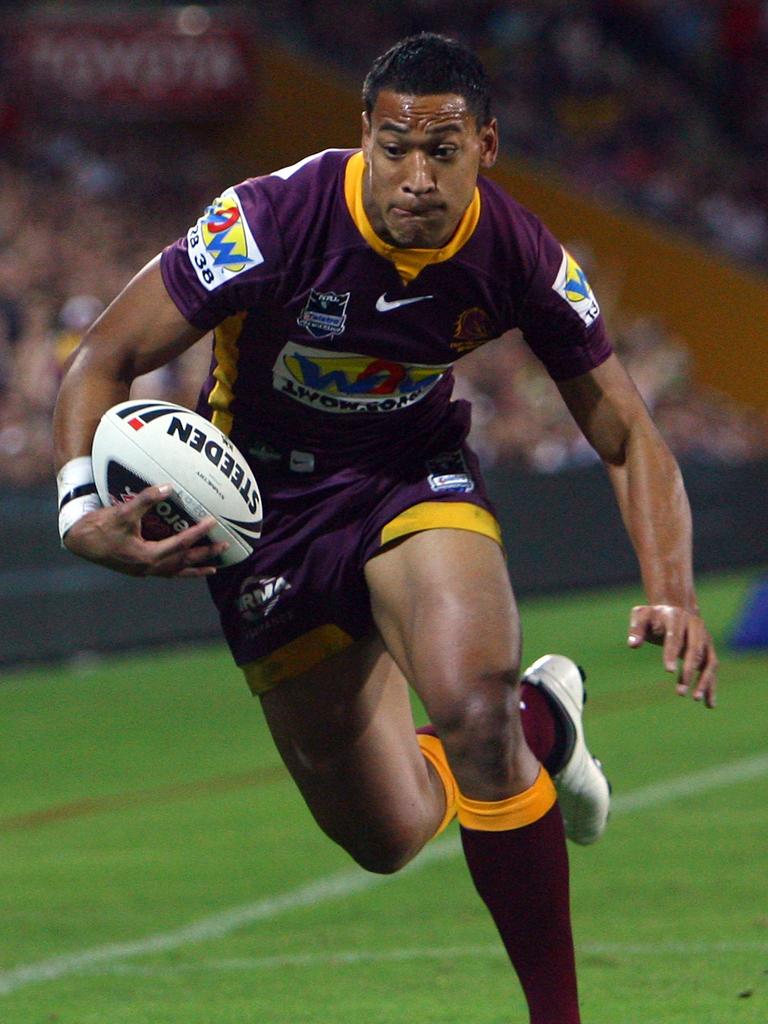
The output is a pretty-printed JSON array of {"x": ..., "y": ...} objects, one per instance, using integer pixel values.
[{"x": 157, "y": 867}]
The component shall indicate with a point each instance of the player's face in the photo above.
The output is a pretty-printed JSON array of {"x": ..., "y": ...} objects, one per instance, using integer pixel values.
[{"x": 422, "y": 157}]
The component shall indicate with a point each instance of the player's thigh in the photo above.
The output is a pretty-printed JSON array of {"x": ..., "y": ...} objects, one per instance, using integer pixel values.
[
  {"x": 444, "y": 605},
  {"x": 345, "y": 731}
]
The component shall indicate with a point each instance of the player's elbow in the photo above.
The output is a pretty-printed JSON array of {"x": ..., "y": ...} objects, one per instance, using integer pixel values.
[
  {"x": 98, "y": 357},
  {"x": 637, "y": 438}
]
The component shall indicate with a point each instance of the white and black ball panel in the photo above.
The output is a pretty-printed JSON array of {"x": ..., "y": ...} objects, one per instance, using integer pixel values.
[
  {"x": 165, "y": 518},
  {"x": 139, "y": 443}
]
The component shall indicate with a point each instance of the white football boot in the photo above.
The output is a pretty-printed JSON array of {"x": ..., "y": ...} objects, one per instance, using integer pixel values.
[{"x": 583, "y": 792}]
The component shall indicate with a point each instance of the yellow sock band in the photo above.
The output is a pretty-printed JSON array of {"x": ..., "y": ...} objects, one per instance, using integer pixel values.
[
  {"x": 433, "y": 751},
  {"x": 514, "y": 812}
]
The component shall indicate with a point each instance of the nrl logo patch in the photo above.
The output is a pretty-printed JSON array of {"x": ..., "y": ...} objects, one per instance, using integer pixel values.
[{"x": 324, "y": 313}]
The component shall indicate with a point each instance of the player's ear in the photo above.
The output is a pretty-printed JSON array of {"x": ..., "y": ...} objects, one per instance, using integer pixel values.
[
  {"x": 489, "y": 143},
  {"x": 366, "y": 135}
]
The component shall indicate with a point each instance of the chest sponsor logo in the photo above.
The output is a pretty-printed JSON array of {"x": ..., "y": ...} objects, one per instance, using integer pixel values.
[
  {"x": 341, "y": 382},
  {"x": 259, "y": 595},
  {"x": 572, "y": 285},
  {"x": 324, "y": 313},
  {"x": 221, "y": 245}
]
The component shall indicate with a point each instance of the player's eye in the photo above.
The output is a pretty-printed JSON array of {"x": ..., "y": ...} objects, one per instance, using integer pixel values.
[
  {"x": 445, "y": 152},
  {"x": 391, "y": 149}
]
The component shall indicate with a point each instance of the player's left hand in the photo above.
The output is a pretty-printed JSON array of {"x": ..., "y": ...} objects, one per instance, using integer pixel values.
[{"x": 688, "y": 648}]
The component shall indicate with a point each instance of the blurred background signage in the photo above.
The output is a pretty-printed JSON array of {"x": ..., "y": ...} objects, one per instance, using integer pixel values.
[{"x": 166, "y": 65}]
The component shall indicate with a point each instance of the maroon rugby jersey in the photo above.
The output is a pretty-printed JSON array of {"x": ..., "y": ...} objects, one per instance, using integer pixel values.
[{"x": 331, "y": 341}]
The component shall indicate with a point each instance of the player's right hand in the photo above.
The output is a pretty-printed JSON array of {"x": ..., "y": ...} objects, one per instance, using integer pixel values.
[
  {"x": 688, "y": 649},
  {"x": 111, "y": 537}
]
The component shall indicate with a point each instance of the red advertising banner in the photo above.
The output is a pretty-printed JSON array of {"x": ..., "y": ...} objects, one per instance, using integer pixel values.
[{"x": 134, "y": 68}]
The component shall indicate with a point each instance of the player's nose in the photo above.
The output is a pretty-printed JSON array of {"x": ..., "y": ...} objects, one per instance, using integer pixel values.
[{"x": 418, "y": 178}]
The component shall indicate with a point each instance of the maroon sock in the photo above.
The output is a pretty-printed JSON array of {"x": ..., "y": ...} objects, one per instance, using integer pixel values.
[
  {"x": 522, "y": 876},
  {"x": 541, "y": 727}
]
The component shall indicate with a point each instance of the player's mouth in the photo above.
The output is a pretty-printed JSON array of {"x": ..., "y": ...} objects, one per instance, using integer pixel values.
[
  {"x": 415, "y": 212},
  {"x": 421, "y": 226}
]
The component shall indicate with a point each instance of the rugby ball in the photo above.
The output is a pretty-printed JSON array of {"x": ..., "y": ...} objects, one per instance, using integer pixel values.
[{"x": 140, "y": 443}]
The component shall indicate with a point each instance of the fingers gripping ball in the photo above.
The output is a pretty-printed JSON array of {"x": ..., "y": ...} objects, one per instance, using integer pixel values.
[{"x": 139, "y": 443}]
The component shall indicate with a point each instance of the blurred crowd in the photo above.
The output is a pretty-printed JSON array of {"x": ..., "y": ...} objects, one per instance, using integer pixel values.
[
  {"x": 80, "y": 213},
  {"x": 659, "y": 104},
  {"x": 520, "y": 420}
]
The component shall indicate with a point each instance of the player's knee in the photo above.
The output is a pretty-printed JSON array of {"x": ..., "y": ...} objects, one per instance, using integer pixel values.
[
  {"x": 481, "y": 728},
  {"x": 477, "y": 707},
  {"x": 381, "y": 855},
  {"x": 382, "y": 845}
]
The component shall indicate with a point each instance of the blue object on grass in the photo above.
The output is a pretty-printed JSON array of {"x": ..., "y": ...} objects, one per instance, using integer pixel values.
[{"x": 751, "y": 629}]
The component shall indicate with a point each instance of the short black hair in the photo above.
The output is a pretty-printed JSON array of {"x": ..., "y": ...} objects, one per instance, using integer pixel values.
[{"x": 430, "y": 64}]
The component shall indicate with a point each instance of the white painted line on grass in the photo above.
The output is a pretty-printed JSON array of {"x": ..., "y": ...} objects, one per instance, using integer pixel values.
[
  {"x": 337, "y": 886},
  {"x": 343, "y": 884},
  {"x": 343, "y": 958},
  {"x": 689, "y": 785}
]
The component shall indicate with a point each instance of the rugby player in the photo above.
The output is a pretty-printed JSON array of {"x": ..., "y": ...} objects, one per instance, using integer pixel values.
[{"x": 340, "y": 291}]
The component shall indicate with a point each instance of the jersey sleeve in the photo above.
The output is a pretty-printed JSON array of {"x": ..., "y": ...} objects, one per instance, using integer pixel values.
[
  {"x": 560, "y": 318},
  {"x": 228, "y": 260}
]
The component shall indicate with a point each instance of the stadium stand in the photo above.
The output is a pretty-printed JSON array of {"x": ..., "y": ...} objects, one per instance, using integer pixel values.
[{"x": 672, "y": 149}]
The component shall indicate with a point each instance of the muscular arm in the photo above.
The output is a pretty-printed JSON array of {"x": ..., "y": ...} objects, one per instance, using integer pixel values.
[
  {"x": 650, "y": 493},
  {"x": 140, "y": 331}
]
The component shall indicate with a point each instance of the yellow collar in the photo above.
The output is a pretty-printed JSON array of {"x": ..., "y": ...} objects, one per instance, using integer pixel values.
[{"x": 409, "y": 262}]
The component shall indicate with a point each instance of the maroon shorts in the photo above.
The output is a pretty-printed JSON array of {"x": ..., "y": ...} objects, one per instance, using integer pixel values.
[{"x": 302, "y": 595}]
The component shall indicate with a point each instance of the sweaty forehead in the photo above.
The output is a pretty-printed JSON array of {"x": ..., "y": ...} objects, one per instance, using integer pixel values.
[{"x": 420, "y": 113}]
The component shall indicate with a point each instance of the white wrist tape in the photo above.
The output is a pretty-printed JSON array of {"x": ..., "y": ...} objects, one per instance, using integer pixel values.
[{"x": 77, "y": 492}]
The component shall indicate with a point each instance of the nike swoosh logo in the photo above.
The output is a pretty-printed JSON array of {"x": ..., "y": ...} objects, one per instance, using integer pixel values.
[{"x": 384, "y": 306}]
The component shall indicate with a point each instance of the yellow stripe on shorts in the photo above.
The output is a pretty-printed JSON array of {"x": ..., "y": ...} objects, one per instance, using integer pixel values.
[
  {"x": 295, "y": 657},
  {"x": 435, "y": 515}
]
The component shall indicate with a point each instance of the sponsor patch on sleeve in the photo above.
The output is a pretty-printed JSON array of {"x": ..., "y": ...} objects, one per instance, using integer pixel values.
[
  {"x": 571, "y": 284},
  {"x": 221, "y": 245}
]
